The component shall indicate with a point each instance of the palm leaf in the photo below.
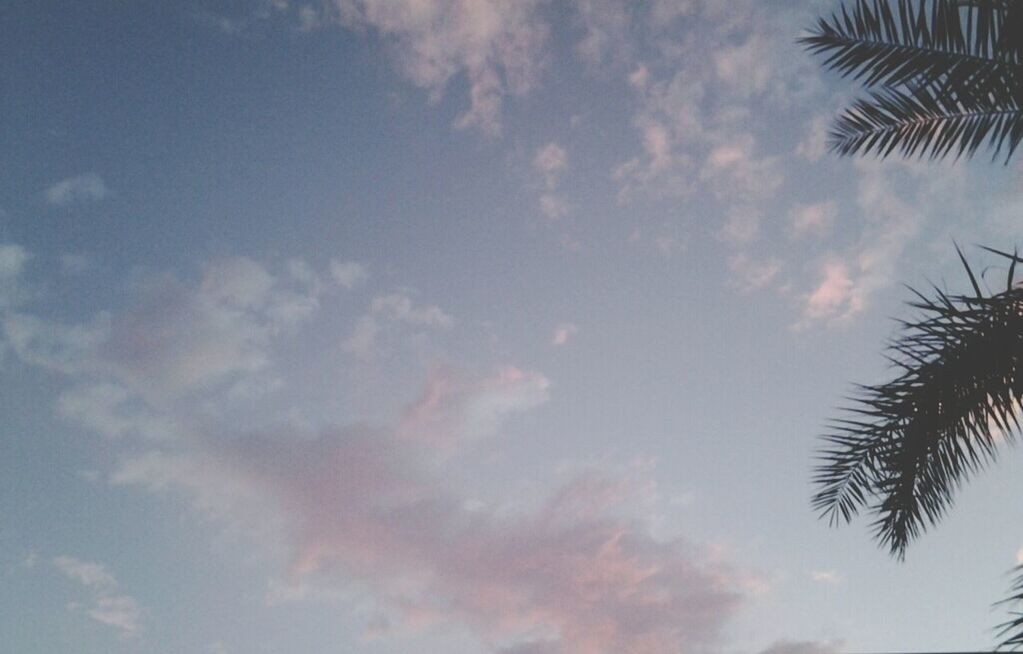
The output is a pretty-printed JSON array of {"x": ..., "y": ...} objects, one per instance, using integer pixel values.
[
  {"x": 909, "y": 443},
  {"x": 949, "y": 75},
  {"x": 924, "y": 123}
]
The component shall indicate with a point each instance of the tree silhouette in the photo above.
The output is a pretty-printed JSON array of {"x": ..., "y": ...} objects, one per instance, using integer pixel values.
[
  {"x": 946, "y": 78},
  {"x": 946, "y": 75}
]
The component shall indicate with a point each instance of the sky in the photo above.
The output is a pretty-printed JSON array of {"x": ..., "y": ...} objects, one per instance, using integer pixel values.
[{"x": 462, "y": 326}]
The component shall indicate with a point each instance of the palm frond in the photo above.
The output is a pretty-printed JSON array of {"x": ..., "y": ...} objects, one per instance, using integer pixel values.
[
  {"x": 1011, "y": 631},
  {"x": 922, "y": 42},
  {"x": 949, "y": 75},
  {"x": 910, "y": 442},
  {"x": 924, "y": 123}
]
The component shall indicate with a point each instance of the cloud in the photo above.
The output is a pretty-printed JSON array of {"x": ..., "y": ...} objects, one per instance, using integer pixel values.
[
  {"x": 804, "y": 647},
  {"x": 399, "y": 306},
  {"x": 374, "y": 508},
  {"x": 13, "y": 259},
  {"x": 741, "y": 224},
  {"x": 178, "y": 337},
  {"x": 826, "y": 576},
  {"x": 90, "y": 575},
  {"x": 550, "y": 161},
  {"x": 836, "y": 297},
  {"x": 111, "y": 411},
  {"x": 69, "y": 349},
  {"x": 455, "y": 410},
  {"x": 815, "y": 144},
  {"x": 348, "y": 274},
  {"x": 750, "y": 274},
  {"x": 88, "y": 186},
  {"x": 498, "y": 46},
  {"x": 554, "y": 206},
  {"x": 813, "y": 219},
  {"x": 363, "y": 339},
  {"x": 606, "y": 32},
  {"x": 396, "y": 308},
  {"x": 890, "y": 220},
  {"x": 563, "y": 332},
  {"x": 106, "y": 604},
  {"x": 370, "y": 508},
  {"x": 693, "y": 122}
]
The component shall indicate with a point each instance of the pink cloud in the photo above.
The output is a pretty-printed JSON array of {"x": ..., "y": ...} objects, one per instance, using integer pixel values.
[
  {"x": 372, "y": 507},
  {"x": 835, "y": 296},
  {"x": 494, "y": 44},
  {"x": 453, "y": 409}
]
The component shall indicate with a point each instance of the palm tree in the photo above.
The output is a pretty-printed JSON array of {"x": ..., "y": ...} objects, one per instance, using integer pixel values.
[
  {"x": 947, "y": 75},
  {"x": 946, "y": 78}
]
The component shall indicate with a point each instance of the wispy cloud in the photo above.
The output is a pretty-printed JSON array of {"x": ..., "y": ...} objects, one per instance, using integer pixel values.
[
  {"x": 826, "y": 576},
  {"x": 750, "y": 274},
  {"x": 563, "y": 332},
  {"x": 372, "y": 505},
  {"x": 498, "y": 47},
  {"x": 13, "y": 259},
  {"x": 813, "y": 219},
  {"x": 106, "y": 603},
  {"x": 397, "y": 308},
  {"x": 87, "y": 186},
  {"x": 549, "y": 162},
  {"x": 348, "y": 274},
  {"x": 378, "y": 507},
  {"x": 891, "y": 216}
]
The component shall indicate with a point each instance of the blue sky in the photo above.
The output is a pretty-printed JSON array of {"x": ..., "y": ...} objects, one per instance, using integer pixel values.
[{"x": 457, "y": 326}]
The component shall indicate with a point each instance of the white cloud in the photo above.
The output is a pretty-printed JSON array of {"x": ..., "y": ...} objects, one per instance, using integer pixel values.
[
  {"x": 554, "y": 206},
  {"x": 91, "y": 575},
  {"x": 750, "y": 274},
  {"x": 178, "y": 337},
  {"x": 388, "y": 313},
  {"x": 498, "y": 46},
  {"x": 399, "y": 306},
  {"x": 815, "y": 144},
  {"x": 813, "y": 219},
  {"x": 88, "y": 186},
  {"x": 348, "y": 274},
  {"x": 374, "y": 508},
  {"x": 363, "y": 339},
  {"x": 890, "y": 220},
  {"x": 741, "y": 224},
  {"x": 110, "y": 410},
  {"x": 13, "y": 259},
  {"x": 836, "y": 297},
  {"x": 454, "y": 410},
  {"x": 826, "y": 576},
  {"x": 550, "y": 161},
  {"x": 563, "y": 332},
  {"x": 106, "y": 604},
  {"x": 606, "y": 32},
  {"x": 69, "y": 349}
]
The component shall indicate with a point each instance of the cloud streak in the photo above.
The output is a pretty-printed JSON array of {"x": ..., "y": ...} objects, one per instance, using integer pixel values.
[
  {"x": 84, "y": 187},
  {"x": 107, "y": 605}
]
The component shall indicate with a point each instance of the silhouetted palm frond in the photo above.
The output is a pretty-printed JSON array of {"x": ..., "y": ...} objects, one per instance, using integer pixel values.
[
  {"x": 906, "y": 445},
  {"x": 1012, "y": 630},
  {"x": 949, "y": 75}
]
